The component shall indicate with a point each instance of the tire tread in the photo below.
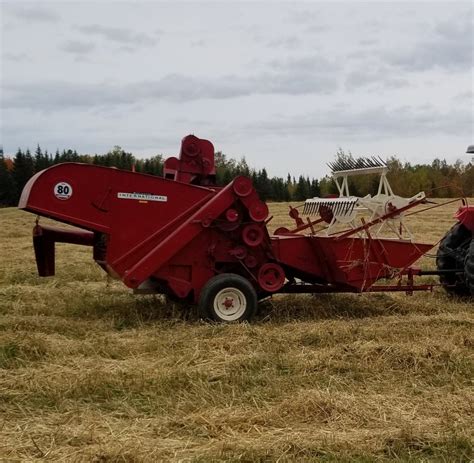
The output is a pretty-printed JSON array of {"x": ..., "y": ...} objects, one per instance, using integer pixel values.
[
  {"x": 220, "y": 281},
  {"x": 451, "y": 255},
  {"x": 469, "y": 268}
]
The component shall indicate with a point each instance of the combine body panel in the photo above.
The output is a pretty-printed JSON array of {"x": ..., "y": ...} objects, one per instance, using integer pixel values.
[
  {"x": 185, "y": 237},
  {"x": 353, "y": 264}
]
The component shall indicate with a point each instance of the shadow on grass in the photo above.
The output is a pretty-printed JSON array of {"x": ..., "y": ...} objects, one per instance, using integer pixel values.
[
  {"x": 128, "y": 311},
  {"x": 328, "y": 306},
  {"x": 21, "y": 350},
  {"x": 407, "y": 447}
]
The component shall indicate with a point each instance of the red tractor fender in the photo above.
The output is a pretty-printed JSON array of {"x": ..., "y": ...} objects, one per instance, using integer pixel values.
[{"x": 465, "y": 215}]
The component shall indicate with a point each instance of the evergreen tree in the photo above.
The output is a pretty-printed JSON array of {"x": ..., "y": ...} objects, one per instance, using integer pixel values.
[
  {"x": 439, "y": 179},
  {"x": 262, "y": 184},
  {"x": 41, "y": 160},
  {"x": 468, "y": 181},
  {"x": 290, "y": 187},
  {"x": 23, "y": 170},
  {"x": 8, "y": 193},
  {"x": 156, "y": 165},
  {"x": 314, "y": 190},
  {"x": 279, "y": 192},
  {"x": 226, "y": 177},
  {"x": 242, "y": 168},
  {"x": 302, "y": 189}
]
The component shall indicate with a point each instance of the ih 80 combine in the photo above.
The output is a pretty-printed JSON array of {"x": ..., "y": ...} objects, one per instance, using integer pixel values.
[{"x": 185, "y": 237}]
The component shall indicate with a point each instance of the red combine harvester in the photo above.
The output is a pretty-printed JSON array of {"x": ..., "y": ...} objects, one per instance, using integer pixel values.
[{"x": 187, "y": 238}]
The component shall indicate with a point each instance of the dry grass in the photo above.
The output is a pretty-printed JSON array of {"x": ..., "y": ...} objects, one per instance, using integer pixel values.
[{"x": 89, "y": 372}]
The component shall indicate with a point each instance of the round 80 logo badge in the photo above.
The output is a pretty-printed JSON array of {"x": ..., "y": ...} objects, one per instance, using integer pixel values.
[{"x": 63, "y": 190}]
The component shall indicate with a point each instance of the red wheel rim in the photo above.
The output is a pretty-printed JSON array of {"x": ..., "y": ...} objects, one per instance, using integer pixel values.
[
  {"x": 239, "y": 252},
  {"x": 252, "y": 235},
  {"x": 232, "y": 215},
  {"x": 258, "y": 211},
  {"x": 251, "y": 261},
  {"x": 191, "y": 146},
  {"x": 242, "y": 186},
  {"x": 271, "y": 277}
]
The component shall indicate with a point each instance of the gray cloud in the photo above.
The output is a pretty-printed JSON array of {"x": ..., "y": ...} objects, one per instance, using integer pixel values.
[
  {"x": 380, "y": 122},
  {"x": 289, "y": 43},
  {"x": 316, "y": 28},
  {"x": 308, "y": 63},
  {"x": 228, "y": 72},
  {"x": 77, "y": 47},
  {"x": 311, "y": 74},
  {"x": 308, "y": 20},
  {"x": 450, "y": 47},
  {"x": 292, "y": 77},
  {"x": 378, "y": 76},
  {"x": 34, "y": 13},
  {"x": 16, "y": 56},
  {"x": 368, "y": 42},
  {"x": 464, "y": 97},
  {"x": 303, "y": 15},
  {"x": 119, "y": 35},
  {"x": 199, "y": 43}
]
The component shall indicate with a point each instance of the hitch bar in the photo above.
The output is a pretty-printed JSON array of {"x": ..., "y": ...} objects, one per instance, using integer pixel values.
[{"x": 440, "y": 272}]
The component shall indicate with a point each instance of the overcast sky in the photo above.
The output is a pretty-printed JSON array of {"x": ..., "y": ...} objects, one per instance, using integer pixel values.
[{"x": 283, "y": 84}]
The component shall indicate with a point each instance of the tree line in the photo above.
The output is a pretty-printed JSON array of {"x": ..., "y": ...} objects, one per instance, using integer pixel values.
[{"x": 439, "y": 177}]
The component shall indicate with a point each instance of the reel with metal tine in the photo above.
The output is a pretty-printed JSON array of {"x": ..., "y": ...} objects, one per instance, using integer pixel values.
[
  {"x": 339, "y": 206},
  {"x": 360, "y": 163}
]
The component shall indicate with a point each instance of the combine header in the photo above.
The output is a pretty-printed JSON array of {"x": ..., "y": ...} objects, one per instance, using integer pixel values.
[
  {"x": 345, "y": 209},
  {"x": 187, "y": 238}
]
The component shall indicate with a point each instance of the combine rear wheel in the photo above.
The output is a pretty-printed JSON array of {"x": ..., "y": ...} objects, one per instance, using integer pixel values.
[
  {"x": 469, "y": 268},
  {"x": 228, "y": 298},
  {"x": 452, "y": 254}
]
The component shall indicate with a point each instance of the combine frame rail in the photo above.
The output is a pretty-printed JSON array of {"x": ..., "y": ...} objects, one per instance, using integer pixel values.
[{"x": 321, "y": 289}]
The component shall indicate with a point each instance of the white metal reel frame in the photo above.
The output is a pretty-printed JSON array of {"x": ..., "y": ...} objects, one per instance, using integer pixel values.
[{"x": 382, "y": 203}]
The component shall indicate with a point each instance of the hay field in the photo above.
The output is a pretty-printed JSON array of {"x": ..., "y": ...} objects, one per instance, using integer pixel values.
[{"x": 89, "y": 372}]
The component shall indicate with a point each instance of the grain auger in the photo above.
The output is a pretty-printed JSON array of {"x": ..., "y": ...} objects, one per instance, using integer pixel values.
[{"x": 185, "y": 237}]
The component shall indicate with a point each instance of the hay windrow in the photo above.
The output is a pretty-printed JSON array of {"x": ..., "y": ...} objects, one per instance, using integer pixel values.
[{"x": 89, "y": 372}]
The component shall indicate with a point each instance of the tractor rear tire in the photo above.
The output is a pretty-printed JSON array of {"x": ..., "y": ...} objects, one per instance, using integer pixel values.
[
  {"x": 228, "y": 298},
  {"x": 451, "y": 255},
  {"x": 469, "y": 268}
]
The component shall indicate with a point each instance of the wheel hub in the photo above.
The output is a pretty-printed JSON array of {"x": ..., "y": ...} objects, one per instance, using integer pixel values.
[{"x": 228, "y": 303}]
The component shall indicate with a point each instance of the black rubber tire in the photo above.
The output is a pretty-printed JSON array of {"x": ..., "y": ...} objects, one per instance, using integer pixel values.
[
  {"x": 452, "y": 255},
  {"x": 247, "y": 298},
  {"x": 469, "y": 268}
]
